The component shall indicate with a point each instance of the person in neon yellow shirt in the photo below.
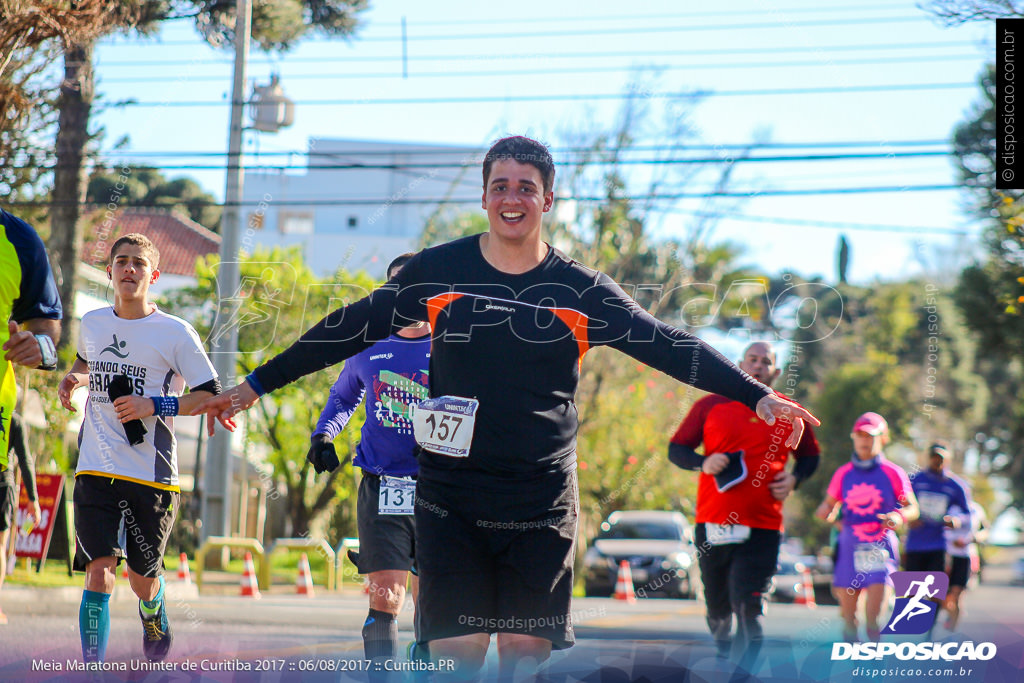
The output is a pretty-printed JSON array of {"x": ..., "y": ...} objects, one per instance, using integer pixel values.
[{"x": 29, "y": 300}]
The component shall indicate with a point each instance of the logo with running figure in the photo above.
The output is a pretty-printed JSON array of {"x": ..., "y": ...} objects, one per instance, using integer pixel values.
[
  {"x": 115, "y": 348},
  {"x": 917, "y": 603}
]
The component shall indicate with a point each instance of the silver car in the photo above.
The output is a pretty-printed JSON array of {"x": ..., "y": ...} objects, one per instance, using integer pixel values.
[{"x": 657, "y": 545}]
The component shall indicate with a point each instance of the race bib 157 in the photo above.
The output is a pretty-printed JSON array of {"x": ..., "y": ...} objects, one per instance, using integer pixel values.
[{"x": 444, "y": 424}]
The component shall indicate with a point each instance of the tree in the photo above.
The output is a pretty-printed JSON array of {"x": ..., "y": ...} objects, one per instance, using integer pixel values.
[
  {"x": 282, "y": 300},
  {"x": 149, "y": 187},
  {"x": 24, "y": 127},
  {"x": 990, "y": 292},
  {"x": 445, "y": 226},
  {"x": 843, "y": 258},
  {"x": 955, "y": 12},
  {"x": 277, "y": 24},
  {"x": 899, "y": 349}
]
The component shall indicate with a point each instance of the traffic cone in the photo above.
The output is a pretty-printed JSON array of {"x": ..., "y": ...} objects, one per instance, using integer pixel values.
[
  {"x": 304, "y": 581},
  {"x": 124, "y": 570},
  {"x": 250, "y": 587},
  {"x": 183, "y": 573},
  {"x": 805, "y": 596},
  {"x": 624, "y": 583}
]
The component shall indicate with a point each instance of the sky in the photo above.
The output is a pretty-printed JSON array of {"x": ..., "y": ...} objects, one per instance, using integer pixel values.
[{"x": 882, "y": 79}]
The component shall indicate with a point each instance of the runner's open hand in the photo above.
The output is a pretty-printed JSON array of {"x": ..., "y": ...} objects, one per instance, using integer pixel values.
[
  {"x": 773, "y": 407},
  {"x": 226, "y": 405}
]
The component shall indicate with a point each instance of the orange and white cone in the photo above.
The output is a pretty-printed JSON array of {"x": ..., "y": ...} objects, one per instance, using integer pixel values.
[
  {"x": 250, "y": 587},
  {"x": 304, "y": 581},
  {"x": 124, "y": 570},
  {"x": 184, "y": 575},
  {"x": 805, "y": 596},
  {"x": 624, "y": 584}
]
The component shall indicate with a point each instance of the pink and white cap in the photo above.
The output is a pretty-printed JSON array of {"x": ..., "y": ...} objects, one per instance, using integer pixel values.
[{"x": 871, "y": 423}]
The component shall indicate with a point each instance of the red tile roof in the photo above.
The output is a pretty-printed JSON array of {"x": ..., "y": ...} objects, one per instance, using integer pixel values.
[{"x": 179, "y": 240}]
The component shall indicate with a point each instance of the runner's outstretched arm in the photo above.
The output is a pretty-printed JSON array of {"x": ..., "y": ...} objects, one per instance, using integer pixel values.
[
  {"x": 341, "y": 335},
  {"x": 616, "y": 320}
]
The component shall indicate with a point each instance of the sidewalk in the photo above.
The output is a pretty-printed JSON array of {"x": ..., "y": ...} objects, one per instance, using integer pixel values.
[{"x": 215, "y": 584}]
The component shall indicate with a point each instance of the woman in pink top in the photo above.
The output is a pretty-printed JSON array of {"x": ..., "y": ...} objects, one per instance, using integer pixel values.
[{"x": 877, "y": 499}]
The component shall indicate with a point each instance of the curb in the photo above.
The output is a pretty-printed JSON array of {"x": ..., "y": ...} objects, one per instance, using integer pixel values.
[{"x": 122, "y": 593}]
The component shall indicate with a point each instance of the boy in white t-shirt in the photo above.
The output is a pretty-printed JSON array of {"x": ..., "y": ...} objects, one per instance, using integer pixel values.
[{"x": 136, "y": 361}]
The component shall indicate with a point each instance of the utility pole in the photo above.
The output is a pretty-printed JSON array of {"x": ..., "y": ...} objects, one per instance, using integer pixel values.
[{"x": 216, "y": 509}]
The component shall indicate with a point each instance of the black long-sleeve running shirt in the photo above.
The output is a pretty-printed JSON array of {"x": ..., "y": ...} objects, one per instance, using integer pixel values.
[
  {"x": 26, "y": 461},
  {"x": 513, "y": 342}
]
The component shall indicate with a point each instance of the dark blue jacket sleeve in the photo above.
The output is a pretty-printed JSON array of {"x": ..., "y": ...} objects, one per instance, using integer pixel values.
[{"x": 37, "y": 295}]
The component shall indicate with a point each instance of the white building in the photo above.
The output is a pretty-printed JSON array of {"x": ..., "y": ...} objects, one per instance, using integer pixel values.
[{"x": 359, "y": 203}]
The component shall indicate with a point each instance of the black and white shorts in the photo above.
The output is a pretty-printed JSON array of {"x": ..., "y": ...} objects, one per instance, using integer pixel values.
[{"x": 109, "y": 512}]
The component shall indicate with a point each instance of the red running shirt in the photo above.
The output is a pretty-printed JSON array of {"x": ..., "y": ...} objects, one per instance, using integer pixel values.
[{"x": 725, "y": 426}]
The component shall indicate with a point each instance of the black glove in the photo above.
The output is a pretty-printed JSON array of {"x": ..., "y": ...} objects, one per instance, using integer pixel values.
[{"x": 322, "y": 455}]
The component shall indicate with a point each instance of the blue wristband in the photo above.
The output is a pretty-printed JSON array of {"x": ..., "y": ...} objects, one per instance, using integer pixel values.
[
  {"x": 255, "y": 384},
  {"x": 164, "y": 406}
]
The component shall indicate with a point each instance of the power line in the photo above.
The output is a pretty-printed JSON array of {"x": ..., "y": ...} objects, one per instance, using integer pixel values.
[
  {"x": 723, "y": 146},
  {"x": 638, "y": 17},
  {"x": 480, "y": 99},
  {"x": 618, "y": 30},
  {"x": 580, "y": 70},
  {"x": 389, "y": 201},
  {"x": 473, "y": 163},
  {"x": 842, "y": 225},
  {"x": 818, "y": 49}
]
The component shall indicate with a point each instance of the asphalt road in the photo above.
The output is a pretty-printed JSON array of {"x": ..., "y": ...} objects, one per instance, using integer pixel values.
[{"x": 285, "y": 637}]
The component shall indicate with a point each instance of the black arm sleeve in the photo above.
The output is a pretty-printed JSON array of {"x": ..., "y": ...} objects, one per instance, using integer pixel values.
[
  {"x": 350, "y": 329},
  {"x": 213, "y": 386},
  {"x": 620, "y": 322},
  {"x": 805, "y": 467},
  {"x": 684, "y": 457},
  {"x": 26, "y": 461}
]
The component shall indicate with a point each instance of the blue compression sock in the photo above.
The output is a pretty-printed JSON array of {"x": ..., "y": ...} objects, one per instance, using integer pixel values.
[
  {"x": 151, "y": 607},
  {"x": 94, "y": 623}
]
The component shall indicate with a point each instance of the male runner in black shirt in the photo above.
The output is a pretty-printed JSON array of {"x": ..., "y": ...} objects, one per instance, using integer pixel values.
[{"x": 512, "y": 318}]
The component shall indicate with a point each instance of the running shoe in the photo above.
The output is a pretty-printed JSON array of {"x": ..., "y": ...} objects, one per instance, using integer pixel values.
[{"x": 156, "y": 634}]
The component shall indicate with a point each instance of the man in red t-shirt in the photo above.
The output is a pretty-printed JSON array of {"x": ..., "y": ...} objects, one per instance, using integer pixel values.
[{"x": 739, "y": 511}]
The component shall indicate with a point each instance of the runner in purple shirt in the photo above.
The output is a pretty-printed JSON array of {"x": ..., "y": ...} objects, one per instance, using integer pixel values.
[
  {"x": 877, "y": 499},
  {"x": 392, "y": 375},
  {"x": 937, "y": 490}
]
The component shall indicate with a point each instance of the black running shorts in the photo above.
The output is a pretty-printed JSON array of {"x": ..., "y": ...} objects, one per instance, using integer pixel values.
[
  {"x": 109, "y": 510},
  {"x": 737, "y": 575},
  {"x": 8, "y": 505},
  {"x": 385, "y": 541},
  {"x": 496, "y": 558},
  {"x": 959, "y": 571},
  {"x": 924, "y": 561}
]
